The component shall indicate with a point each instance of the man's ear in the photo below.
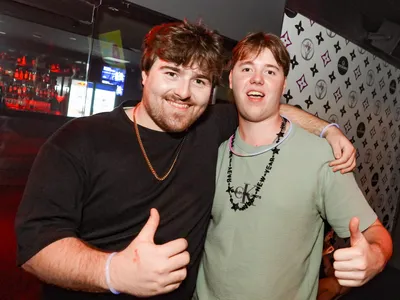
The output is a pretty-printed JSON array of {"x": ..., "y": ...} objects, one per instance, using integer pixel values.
[
  {"x": 230, "y": 79},
  {"x": 144, "y": 77},
  {"x": 284, "y": 86}
]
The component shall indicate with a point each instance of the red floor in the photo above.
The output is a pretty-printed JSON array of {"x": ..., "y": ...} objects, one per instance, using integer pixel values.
[{"x": 15, "y": 284}]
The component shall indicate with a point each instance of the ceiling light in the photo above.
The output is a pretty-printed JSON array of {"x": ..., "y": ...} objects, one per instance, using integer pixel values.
[
  {"x": 38, "y": 36},
  {"x": 72, "y": 39},
  {"x": 136, "y": 50},
  {"x": 117, "y": 60},
  {"x": 2, "y": 32}
]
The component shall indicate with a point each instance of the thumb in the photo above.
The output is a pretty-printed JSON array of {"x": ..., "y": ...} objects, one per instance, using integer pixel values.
[
  {"x": 355, "y": 234},
  {"x": 149, "y": 229},
  {"x": 337, "y": 150}
]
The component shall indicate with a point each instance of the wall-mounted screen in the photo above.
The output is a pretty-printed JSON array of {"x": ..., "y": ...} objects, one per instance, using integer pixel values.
[{"x": 114, "y": 76}]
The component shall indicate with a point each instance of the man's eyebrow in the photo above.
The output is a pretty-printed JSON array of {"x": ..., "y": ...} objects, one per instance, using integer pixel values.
[
  {"x": 178, "y": 70},
  {"x": 172, "y": 68},
  {"x": 272, "y": 66},
  {"x": 203, "y": 76},
  {"x": 249, "y": 62},
  {"x": 245, "y": 62}
]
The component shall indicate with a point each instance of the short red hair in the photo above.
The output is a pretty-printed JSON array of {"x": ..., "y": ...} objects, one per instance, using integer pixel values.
[{"x": 254, "y": 43}]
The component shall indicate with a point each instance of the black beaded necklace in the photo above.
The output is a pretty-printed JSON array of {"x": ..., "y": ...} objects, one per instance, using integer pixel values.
[{"x": 268, "y": 168}]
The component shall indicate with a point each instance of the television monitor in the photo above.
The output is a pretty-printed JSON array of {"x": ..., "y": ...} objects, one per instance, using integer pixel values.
[
  {"x": 80, "y": 98},
  {"x": 104, "y": 98},
  {"x": 114, "y": 76}
]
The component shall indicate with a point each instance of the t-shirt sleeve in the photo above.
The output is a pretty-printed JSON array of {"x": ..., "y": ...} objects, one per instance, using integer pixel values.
[
  {"x": 341, "y": 199},
  {"x": 225, "y": 116},
  {"x": 51, "y": 205}
]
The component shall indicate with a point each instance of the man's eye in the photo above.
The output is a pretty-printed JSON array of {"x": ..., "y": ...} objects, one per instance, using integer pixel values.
[
  {"x": 199, "y": 81},
  {"x": 172, "y": 74},
  {"x": 246, "y": 70},
  {"x": 271, "y": 72}
]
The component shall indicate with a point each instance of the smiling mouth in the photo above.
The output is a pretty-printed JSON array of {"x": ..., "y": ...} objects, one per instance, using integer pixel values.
[
  {"x": 178, "y": 104},
  {"x": 255, "y": 95}
]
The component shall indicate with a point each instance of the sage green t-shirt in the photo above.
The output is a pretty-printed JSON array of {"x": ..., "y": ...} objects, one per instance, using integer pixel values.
[{"x": 273, "y": 249}]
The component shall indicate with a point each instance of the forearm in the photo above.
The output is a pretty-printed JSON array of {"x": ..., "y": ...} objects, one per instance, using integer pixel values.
[
  {"x": 328, "y": 288},
  {"x": 303, "y": 119},
  {"x": 70, "y": 264},
  {"x": 381, "y": 243}
]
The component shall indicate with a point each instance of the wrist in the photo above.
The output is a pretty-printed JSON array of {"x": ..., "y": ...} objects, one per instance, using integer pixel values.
[
  {"x": 379, "y": 257},
  {"x": 328, "y": 128},
  {"x": 98, "y": 274},
  {"x": 110, "y": 274}
]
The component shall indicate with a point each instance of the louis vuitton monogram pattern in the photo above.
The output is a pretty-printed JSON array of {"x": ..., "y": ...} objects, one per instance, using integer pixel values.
[{"x": 338, "y": 81}]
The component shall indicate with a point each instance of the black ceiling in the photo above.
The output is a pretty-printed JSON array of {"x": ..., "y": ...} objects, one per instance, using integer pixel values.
[
  {"x": 372, "y": 25},
  {"x": 65, "y": 8}
]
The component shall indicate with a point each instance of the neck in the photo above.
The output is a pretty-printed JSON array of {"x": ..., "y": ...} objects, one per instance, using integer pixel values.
[
  {"x": 260, "y": 133},
  {"x": 142, "y": 117}
]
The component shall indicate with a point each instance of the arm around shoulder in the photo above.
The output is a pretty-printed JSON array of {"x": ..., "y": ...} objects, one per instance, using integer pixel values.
[
  {"x": 303, "y": 119},
  {"x": 343, "y": 149}
]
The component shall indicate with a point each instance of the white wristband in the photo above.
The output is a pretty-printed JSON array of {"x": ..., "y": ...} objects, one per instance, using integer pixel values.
[
  {"x": 326, "y": 128},
  {"x": 107, "y": 272}
]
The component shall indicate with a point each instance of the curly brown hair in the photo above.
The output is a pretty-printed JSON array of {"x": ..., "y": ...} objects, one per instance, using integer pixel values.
[
  {"x": 184, "y": 44},
  {"x": 256, "y": 42}
]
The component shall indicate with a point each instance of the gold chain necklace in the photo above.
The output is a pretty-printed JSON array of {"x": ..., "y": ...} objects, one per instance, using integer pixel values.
[{"x": 152, "y": 170}]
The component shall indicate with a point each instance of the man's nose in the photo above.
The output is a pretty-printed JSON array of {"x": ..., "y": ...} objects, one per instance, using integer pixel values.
[
  {"x": 182, "y": 90},
  {"x": 257, "y": 78}
]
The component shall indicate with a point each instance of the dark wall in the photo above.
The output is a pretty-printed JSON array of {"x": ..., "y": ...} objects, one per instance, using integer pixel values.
[{"x": 21, "y": 136}]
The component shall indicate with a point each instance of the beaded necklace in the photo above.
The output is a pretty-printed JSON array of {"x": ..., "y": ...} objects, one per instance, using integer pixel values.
[{"x": 268, "y": 168}]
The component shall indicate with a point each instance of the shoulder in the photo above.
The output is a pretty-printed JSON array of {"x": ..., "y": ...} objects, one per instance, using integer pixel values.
[
  {"x": 220, "y": 112},
  {"x": 85, "y": 123},
  {"x": 313, "y": 145},
  {"x": 223, "y": 148},
  {"x": 78, "y": 131},
  {"x": 223, "y": 155}
]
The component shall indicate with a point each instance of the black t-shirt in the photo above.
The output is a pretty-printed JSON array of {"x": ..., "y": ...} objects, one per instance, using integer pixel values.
[{"x": 90, "y": 181}]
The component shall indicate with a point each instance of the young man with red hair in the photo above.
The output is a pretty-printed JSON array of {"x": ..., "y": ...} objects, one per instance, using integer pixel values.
[{"x": 274, "y": 189}]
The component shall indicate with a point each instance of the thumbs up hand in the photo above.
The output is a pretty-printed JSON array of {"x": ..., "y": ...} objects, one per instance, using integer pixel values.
[
  {"x": 355, "y": 265},
  {"x": 145, "y": 269}
]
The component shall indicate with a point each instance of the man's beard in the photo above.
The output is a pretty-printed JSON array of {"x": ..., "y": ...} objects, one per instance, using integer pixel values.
[{"x": 172, "y": 124}]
